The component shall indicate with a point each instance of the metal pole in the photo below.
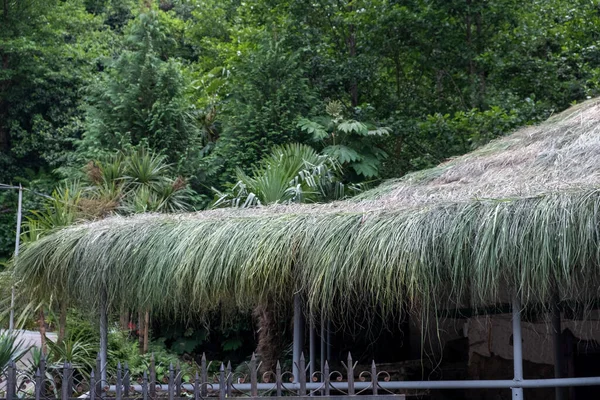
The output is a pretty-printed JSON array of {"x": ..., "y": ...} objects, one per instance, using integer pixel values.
[
  {"x": 11, "y": 322},
  {"x": 322, "y": 345},
  {"x": 328, "y": 341},
  {"x": 312, "y": 344},
  {"x": 392, "y": 385},
  {"x": 103, "y": 336},
  {"x": 298, "y": 337},
  {"x": 559, "y": 392},
  {"x": 517, "y": 392}
]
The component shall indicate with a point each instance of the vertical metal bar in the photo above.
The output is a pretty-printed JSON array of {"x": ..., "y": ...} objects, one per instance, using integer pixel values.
[
  {"x": 278, "y": 378},
  {"x": 43, "y": 375},
  {"x": 302, "y": 376},
  {"x": 322, "y": 353},
  {"x": 152, "y": 383},
  {"x": 145, "y": 386},
  {"x": 103, "y": 339},
  {"x": 171, "y": 382},
  {"x": 38, "y": 384},
  {"x": 374, "y": 381},
  {"x": 70, "y": 381},
  {"x": 328, "y": 335},
  {"x": 298, "y": 336},
  {"x": 517, "y": 393},
  {"x": 11, "y": 322},
  {"x": 222, "y": 382},
  {"x": 228, "y": 378},
  {"x": 350, "y": 371},
  {"x": 559, "y": 392},
  {"x": 312, "y": 348},
  {"x": 197, "y": 387},
  {"x": 65, "y": 382},
  {"x": 326, "y": 378},
  {"x": 126, "y": 382},
  {"x": 178, "y": 380},
  {"x": 92, "y": 385},
  {"x": 253, "y": 378},
  {"x": 119, "y": 386},
  {"x": 11, "y": 381},
  {"x": 203, "y": 376},
  {"x": 99, "y": 384}
]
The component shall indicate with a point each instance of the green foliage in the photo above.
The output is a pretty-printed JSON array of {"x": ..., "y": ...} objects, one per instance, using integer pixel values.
[
  {"x": 142, "y": 98},
  {"x": 292, "y": 173},
  {"x": 348, "y": 141},
  {"x": 11, "y": 348}
]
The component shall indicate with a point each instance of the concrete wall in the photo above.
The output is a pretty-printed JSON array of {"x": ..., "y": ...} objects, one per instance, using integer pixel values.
[{"x": 492, "y": 335}]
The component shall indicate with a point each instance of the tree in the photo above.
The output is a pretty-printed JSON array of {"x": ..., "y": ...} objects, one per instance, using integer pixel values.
[{"x": 142, "y": 98}]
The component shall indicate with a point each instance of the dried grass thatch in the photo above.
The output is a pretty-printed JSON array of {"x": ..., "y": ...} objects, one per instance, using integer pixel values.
[{"x": 520, "y": 214}]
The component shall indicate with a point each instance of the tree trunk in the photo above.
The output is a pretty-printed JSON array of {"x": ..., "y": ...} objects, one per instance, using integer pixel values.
[
  {"x": 268, "y": 346},
  {"x": 62, "y": 322},
  {"x": 141, "y": 332},
  {"x": 42, "y": 328},
  {"x": 351, "y": 42},
  {"x": 146, "y": 331},
  {"x": 124, "y": 319}
]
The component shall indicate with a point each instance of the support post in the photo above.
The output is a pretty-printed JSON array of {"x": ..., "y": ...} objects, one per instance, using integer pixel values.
[
  {"x": 11, "y": 322},
  {"x": 323, "y": 344},
  {"x": 559, "y": 392},
  {"x": 312, "y": 351},
  {"x": 517, "y": 393},
  {"x": 298, "y": 336},
  {"x": 103, "y": 338}
]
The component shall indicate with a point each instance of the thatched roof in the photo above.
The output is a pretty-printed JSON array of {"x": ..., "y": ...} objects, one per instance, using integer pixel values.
[{"x": 521, "y": 213}]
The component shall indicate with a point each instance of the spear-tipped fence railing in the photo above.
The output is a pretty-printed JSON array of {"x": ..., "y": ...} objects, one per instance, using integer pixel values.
[{"x": 209, "y": 380}]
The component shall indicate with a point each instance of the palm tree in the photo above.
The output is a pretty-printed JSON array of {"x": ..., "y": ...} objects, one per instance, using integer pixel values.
[{"x": 292, "y": 173}]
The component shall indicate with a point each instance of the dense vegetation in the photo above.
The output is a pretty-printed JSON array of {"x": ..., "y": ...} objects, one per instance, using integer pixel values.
[{"x": 214, "y": 93}]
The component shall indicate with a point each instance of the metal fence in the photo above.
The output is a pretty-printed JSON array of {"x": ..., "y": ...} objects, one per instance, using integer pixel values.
[
  {"x": 198, "y": 382},
  {"x": 208, "y": 380}
]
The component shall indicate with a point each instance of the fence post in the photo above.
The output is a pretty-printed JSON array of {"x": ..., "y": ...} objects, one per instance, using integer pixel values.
[
  {"x": 326, "y": 378},
  {"x": 374, "y": 378},
  {"x": 203, "y": 377},
  {"x": 222, "y": 382},
  {"x": 253, "y": 379},
  {"x": 92, "y": 385},
  {"x": 196, "y": 387},
  {"x": 302, "y": 377},
  {"x": 178, "y": 380},
  {"x": 38, "y": 384},
  {"x": 298, "y": 336},
  {"x": 517, "y": 393},
  {"x": 42, "y": 370},
  {"x": 99, "y": 383},
  {"x": 228, "y": 378},
  {"x": 350, "y": 370},
  {"x": 65, "y": 382},
  {"x": 278, "y": 378},
  {"x": 152, "y": 383},
  {"x": 171, "y": 382},
  {"x": 126, "y": 382},
  {"x": 145, "y": 386},
  {"x": 11, "y": 381},
  {"x": 119, "y": 385}
]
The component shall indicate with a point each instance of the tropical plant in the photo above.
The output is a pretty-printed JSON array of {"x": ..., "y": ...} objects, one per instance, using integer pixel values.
[
  {"x": 292, "y": 173},
  {"x": 11, "y": 348},
  {"x": 347, "y": 140}
]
